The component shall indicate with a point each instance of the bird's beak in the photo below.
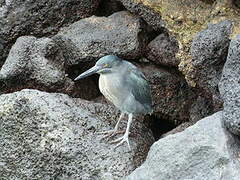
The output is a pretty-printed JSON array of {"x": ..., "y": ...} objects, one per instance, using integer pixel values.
[{"x": 89, "y": 72}]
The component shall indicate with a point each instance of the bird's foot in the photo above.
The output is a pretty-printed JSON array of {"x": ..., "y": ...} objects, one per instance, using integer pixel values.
[
  {"x": 122, "y": 139},
  {"x": 110, "y": 133}
]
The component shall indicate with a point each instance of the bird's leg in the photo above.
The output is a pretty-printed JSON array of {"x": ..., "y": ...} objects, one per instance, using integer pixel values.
[
  {"x": 110, "y": 133},
  {"x": 124, "y": 138}
]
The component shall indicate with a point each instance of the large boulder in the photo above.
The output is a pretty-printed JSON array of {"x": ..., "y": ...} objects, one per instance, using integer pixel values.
[
  {"x": 52, "y": 136},
  {"x": 122, "y": 34},
  {"x": 171, "y": 95},
  {"x": 230, "y": 87},
  {"x": 39, "y": 63},
  {"x": 203, "y": 151},
  {"x": 39, "y": 18},
  {"x": 209, "y": 51},
  {"x": 32, "y": 59}
]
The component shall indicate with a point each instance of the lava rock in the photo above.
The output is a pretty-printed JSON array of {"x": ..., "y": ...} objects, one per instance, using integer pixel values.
[
  {"x": 39, "y": 18},
  {"x": 162, "y": 50},
  {"x": 52, "y": 136},
  {"x": 171, "y": 95},
  {"x": 230, "y": 88},
  {"x": 152, "y": 17},
  {"x": 200, "y": 108},
  {"x": 35, "y": 63},
  {"x": 40, "y": 64},
  {"x": 202, "y": 151},
  {"x": 209, "y": 51},
  {"x": 122, "y": 34}
]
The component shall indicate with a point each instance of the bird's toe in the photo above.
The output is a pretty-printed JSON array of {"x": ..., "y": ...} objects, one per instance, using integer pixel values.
[
  {"x": 120, "y": 141},
  {"x": 110, "y": 133}
]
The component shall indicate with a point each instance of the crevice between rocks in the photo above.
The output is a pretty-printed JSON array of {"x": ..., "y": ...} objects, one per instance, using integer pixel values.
[
  {"x": 158, "y": 126},
  {"x": 86, "y": 88}
]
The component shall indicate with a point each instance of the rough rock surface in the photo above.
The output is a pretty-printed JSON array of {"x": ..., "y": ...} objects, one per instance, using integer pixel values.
[
  {"x": 122, "y": 34},
  {"x": 147, "y": 13},
  {"x": 209, "y": 51},
  {"x": 200, "y": 108},
  {"x": 162, "y": 50},
  {"x": 39, "y": 18},
  {"x": 171, "y": 95},
  {"x": 203, "y": 151},
  {"x": 34, "y": 59},
  {"x": 40, "y": 64},
  {"x": 52, "y": 136},
  {"x": 230, "y": 87}
]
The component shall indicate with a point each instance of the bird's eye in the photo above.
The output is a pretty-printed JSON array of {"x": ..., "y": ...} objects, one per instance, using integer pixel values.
[{"x": 105, "y": 65}]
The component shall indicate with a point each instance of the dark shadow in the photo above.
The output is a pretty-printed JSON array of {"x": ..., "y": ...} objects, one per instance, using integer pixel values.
[
  {"x": 108, "y": 7},
  {"x": 158, "y": 126},
  {"x": 86, "y": 88}
]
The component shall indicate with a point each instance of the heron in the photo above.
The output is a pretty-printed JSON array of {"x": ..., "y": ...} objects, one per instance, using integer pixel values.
[{"x": 123, "y": 84}]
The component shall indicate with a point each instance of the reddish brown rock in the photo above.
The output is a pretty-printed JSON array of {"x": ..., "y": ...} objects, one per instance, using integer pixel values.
[
  {"x": 171, "y": 95},
  {"x": 162, "y": 50}
]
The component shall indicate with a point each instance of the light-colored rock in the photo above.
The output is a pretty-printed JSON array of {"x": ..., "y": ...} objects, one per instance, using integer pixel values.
[
  {"x": 230, "y": 87},
  {"x": 52, "y": 136},
  {"x": 203, "y": 151},
  {"x": 35, "y": 63},
  {"x": 39, "y": 63}
]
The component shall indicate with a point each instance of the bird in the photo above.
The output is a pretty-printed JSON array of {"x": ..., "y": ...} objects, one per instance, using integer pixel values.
[{"x": 123, "y": 84}]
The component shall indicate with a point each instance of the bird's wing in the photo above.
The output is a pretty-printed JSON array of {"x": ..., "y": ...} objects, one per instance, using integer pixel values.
[{"x": 139, "y": 85}]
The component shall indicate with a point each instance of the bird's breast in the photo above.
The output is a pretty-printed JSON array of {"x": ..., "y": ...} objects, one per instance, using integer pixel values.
[{"x": 112, "y": 88}]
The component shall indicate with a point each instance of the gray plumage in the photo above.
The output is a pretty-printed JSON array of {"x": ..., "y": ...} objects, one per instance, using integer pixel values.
[{"x": 124, "y": 85}]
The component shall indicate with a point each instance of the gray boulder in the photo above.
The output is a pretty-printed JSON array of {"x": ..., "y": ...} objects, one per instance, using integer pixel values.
[
  {"x": 35, "y": 63},
  {"x": 40, "y": 64},
  {"x": 162, "y": 50},
  {"x": 52, "y": 136},
  {"x": 122, "y": 34},
  {"x": 209, "y": 51},
  {"x": 230, "y": 87},
  {"x": 39, "y": 18},
  {"x": 203, "y": 151}
]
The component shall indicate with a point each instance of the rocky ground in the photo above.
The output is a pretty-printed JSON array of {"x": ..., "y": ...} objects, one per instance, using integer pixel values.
[{"x": 49, "y": 123}]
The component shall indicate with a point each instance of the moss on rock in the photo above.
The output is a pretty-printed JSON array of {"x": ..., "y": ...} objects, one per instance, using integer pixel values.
[{"x": 184, "y": 18}]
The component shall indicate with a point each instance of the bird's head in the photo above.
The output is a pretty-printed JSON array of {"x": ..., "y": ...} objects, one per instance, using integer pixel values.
[{"x": 105, "y": 64}]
